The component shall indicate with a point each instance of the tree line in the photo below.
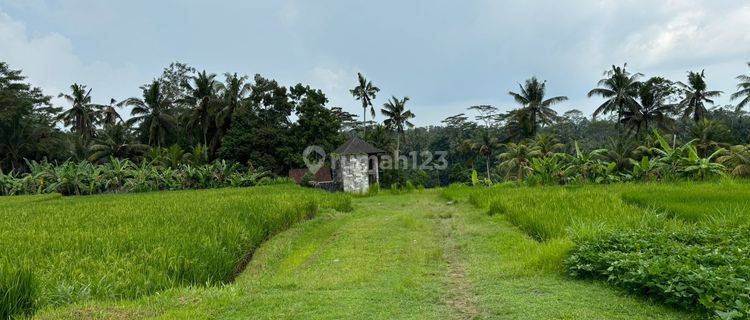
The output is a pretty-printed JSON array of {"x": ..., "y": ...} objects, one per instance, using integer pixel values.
[{"x": 256, "y": 122}]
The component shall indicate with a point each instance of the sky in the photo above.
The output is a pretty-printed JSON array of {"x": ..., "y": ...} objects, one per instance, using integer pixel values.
[{"x": 444, "y": 55}]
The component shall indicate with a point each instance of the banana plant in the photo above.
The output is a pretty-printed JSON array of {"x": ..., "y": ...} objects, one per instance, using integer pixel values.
[
  {"x": 702, "y": 168},
  {"x": 549, "y": 170},
  {"x": 585, "y": 165},
  {"x": 644, "y": 170},
  {"x": 670, "y": 159}
]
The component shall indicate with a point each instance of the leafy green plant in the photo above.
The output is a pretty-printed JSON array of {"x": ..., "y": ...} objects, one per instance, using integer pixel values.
[
  {"x": 117, "y": 176},
  {"x": 704, "y": 269},
  {"x": 474, "y": 178}
]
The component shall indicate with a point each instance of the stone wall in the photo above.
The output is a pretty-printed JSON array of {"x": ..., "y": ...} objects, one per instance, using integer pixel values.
[{"x": 354, "y": 173}]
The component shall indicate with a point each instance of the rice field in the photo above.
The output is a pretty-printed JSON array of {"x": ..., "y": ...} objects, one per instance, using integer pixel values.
[{"x": 59, "y": 250}]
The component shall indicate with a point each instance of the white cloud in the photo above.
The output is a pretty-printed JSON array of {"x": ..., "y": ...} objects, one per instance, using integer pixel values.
[
  {"x": 49, "y": 61},
  {"x": 289, "y": 13},
  {"x": 691, "y": 31}
]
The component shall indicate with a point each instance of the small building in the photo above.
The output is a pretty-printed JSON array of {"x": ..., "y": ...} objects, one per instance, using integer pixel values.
[
  {"x": 322, "y": 175},
  {"x": 355, "y": 165}
]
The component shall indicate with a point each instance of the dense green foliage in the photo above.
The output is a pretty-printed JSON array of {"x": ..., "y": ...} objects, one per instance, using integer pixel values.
[
  {"x": 119, "y": 176},
  {"x": 702, "y": 268},
  {"x": 261, "y": 123},
  {"x": 125, "y": 246}
]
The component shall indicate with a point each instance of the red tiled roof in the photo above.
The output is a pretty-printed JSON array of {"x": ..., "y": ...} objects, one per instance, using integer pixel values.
[{"x": 323, "y": 174}]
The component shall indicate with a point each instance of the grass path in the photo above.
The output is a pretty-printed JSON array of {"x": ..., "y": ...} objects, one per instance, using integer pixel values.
[{"x": 410, "y": 256}]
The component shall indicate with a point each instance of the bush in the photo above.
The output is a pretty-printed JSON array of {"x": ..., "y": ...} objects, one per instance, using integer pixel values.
[
  {"x": 705, "y": 269},
  {"x": 395, "y": 188},
  {"x": 409, "y": 186},
  {"x": 307, "y": 179}
]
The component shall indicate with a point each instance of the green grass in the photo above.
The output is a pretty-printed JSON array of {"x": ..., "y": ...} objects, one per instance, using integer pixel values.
[
  {"x": 547, "y": 213},
  {"x": 407, "y": 256},
  {"x": 725, "y": 202},
  {"x": 126, "y": 246},
  {"x": 17, "y": 291}
]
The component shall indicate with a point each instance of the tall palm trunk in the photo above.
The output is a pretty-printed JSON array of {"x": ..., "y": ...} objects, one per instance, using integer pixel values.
[
  {"x": 364, "y": 117},
  {"x": 487, "y": 164}
]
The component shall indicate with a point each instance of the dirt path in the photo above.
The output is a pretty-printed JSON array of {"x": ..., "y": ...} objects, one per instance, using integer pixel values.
[{"x": 460, "y": 294}]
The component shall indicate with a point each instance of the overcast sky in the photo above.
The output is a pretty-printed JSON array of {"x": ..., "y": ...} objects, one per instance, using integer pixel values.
[{"x": 444, "y": 55}]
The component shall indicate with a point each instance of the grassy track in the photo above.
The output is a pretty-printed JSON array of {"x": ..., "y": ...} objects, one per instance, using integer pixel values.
[{"x": 408, "y": 256}]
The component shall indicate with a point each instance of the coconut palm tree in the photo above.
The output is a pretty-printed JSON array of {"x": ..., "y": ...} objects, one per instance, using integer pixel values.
[
  {"x": 707, "y": 135},
  {"x": 397, "y": 118},
  {"x": 365, "y": 92},
  {"x": 653, "y": 109},
  {"x": 115, "y": 141},
  {"x": 696, "y": 96},
  {"x": 743, "y": 90},
  {"x": 536, "y": 109},
  {"x": 620, "y": 88},
  {"x": 151, "y": 112},
  {"x": 516, "y": 159},
  {"x": 547, "y": 144},
  {"x": 232, "y": 94},
  {"x": 109, "y": 115},
  {"x": 484, "y": 145},
  {"x": 81, "y": 116},
  {"x": 737, "y": 160},
  {"x": 202, "y": 94}
]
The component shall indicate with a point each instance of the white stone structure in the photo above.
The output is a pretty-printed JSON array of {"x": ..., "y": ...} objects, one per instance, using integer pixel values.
[
  {"x": 355, "y": 173},
  {"x": 356, "y": 165}
]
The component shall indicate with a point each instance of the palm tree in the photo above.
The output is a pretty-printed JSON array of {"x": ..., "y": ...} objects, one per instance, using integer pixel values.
[
  {"x": 547, "y": 144},
  {"x": 152, "y": 114},
  {"x": 202, "y": 94},
  {"x": 109, "y": 115},
  {"x": 398, "y": 118},
  {"x": 536, "y": 109},
  {"x": 484, "y": 145},
  {"x": 81, "y": 116},
  {"x": 737, "y": 159},
  {"x": 365, "y": 92},
  {"x": 115, "y": 141},
  {"x": 707, "y": 134},
  {"x": 234, "y": 92},
  {"x": 653, "y": 108},
  {"x": 516, "y": 158},
  {"x": 743, "y": 90},
  {"x": 620, "y": 88},
  {"x": 696, "y": 95}
]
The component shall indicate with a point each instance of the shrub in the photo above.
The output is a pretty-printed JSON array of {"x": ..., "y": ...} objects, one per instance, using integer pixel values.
[
  {"x": 705, "y": 268},
  {"x": 307, "y": 179},
  {"x": 474, "y": 178},
  {"x": 409, "y": 186},
  {"x": 395, "y": 188}
]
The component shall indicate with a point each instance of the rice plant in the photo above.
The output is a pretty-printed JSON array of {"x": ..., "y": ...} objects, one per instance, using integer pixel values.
[
  {"x": 17, "y": 290},
  {"x": 125, "y": 246}
]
